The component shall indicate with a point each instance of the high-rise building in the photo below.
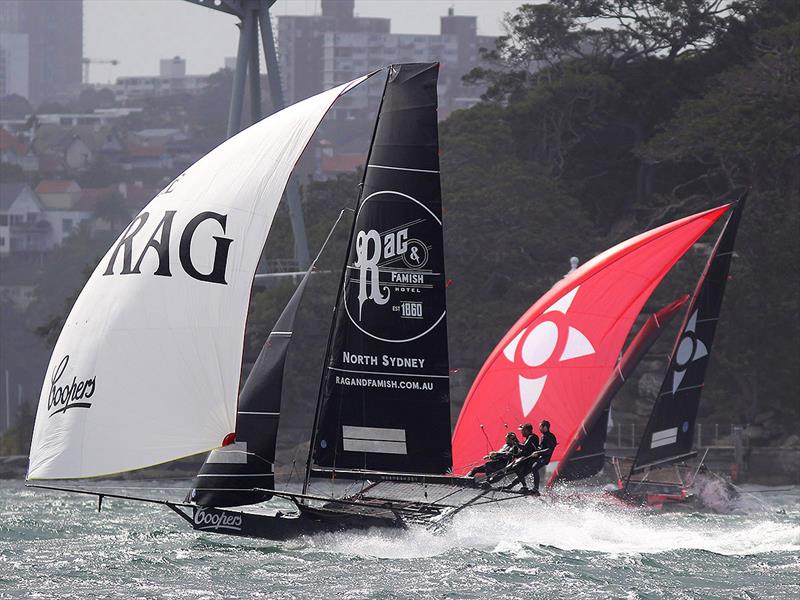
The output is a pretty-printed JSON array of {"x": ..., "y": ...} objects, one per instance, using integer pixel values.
[
  {"x": 300, "y": 44},
  {"x": 321, "y": 51},
  {"x": 55, "y": 44},
  {"x": 14, "y": 64}
]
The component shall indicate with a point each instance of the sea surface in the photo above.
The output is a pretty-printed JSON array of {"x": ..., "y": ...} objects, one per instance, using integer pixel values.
[{"x": 56, "y": 545}]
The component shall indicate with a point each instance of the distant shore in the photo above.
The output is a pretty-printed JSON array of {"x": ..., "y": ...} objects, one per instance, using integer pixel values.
[{"x": 765, "y": 466}]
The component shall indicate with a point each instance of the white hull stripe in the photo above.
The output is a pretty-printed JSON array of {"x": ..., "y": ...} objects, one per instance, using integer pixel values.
[
  {"x": 257, "y": 412},
  {"x": 374, "y": 439},
  {"x": 234, "y": 454},
  {"x": 401, "y": 169},
  {"x": 664, "y": 438}
]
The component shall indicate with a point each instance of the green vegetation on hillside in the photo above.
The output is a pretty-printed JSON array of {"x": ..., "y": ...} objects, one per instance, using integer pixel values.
[{"x": 602, "y": 119}]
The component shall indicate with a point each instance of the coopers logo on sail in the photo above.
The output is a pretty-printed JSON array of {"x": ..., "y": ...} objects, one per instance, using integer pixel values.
[
  {"x": 206, "y": 518},
  {"x": 395, "y": 273},
  {"x": 65, "y": 395}
]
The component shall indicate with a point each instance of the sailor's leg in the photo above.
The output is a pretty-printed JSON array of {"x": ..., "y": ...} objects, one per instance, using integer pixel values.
[
  {"x": 523, "y": 472},
  {"x": 476, "y": 470},
  {"x": 536, "y": 466}
]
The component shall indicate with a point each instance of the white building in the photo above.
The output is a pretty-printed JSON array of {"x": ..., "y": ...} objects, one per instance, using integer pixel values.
[
  {"x": 23, "y": 226},
  {"x": 172, "y": 68},
  {"x": 60, "y": 200},
  {"x": 14, "y": 64},
  {"x": 101, "y": 117},
  {"x": 172, "y": 79}
]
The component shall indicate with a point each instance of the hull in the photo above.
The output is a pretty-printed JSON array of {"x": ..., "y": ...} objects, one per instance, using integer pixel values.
[
  {"x": 280, "y": 526},
  {"x": 654, "y": 495}
]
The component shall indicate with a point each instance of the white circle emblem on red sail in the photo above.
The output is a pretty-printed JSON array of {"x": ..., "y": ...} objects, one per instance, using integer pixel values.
[{"x": 539, "y": 344}]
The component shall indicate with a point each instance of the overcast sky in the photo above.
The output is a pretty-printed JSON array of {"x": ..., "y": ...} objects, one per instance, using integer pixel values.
[{"x": 140, "y": 32}]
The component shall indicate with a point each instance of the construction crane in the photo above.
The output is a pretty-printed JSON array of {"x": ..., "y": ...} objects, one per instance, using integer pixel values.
[{"x": 95, "y": 61}]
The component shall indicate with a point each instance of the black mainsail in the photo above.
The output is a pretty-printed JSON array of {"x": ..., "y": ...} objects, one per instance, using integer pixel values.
[
  {"x": 669, "y": 435},
  {"x": 586, "y": 455},
  {"x": 384, "y": 401}
]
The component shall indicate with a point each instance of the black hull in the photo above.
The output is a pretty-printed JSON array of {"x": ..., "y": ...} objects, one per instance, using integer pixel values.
[{"x": 287, "y": 526}]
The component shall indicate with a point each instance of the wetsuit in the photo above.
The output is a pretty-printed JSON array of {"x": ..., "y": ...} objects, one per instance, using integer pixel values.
[
  {"x": 523, "y": 466},
  {"x": 498, "y": 460},
  {"x": 548, "y": 445}
]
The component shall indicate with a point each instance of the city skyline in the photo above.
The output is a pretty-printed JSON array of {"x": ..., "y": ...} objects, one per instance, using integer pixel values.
[{"x": 106, "y": 23}]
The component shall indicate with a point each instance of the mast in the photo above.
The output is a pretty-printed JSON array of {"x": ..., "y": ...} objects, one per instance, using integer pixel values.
[
  {"x": 669, "y": 435},
  {"x": 340, "y": 289}
]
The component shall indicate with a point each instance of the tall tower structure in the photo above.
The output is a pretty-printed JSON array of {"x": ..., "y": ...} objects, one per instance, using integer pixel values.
[{"x": 254, "y": 15}]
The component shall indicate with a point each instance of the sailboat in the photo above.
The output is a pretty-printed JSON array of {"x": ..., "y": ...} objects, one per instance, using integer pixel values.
[
  {"x": 659, "y": 473},
  {"x": 153, "y": 345},
  {"x": 147, "y": 367},
  {"x": 585, "y": 454},
  {"x": 556, "y": 359}
]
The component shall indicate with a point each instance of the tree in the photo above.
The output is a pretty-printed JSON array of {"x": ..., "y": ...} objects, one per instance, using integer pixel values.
[
  {"x": 15, "y": 107},
  {"x": 112, "y": 209},
  {"x": 655, "y": 28}
]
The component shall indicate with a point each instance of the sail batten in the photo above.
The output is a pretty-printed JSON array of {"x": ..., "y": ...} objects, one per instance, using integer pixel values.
[{"x": 146, "y": 369}]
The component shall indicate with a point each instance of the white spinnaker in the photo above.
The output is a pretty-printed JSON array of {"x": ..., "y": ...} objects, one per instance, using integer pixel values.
[{"x": 157, "y": 357}]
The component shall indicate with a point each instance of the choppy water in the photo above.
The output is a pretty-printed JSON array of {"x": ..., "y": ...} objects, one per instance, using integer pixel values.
[{"x": 57, "y": 545}]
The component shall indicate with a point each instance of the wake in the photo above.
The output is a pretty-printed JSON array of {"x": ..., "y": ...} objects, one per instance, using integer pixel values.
[{"x": 585, "y": 523}]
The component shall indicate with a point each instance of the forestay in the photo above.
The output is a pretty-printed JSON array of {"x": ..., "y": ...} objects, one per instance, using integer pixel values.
[
  {"x": 554, "y": 361},
  {"x": 146, "y": 369}
]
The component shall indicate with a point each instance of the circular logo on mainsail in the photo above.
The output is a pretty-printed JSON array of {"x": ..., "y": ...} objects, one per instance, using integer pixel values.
[{"x": 395, "y": 271}]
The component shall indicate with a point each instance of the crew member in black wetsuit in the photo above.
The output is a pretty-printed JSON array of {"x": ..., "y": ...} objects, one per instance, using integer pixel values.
[
  {"x": 496, "y": 461},
  {"x": 527, "y": 456},
  {"x": 544, "y": 454}
]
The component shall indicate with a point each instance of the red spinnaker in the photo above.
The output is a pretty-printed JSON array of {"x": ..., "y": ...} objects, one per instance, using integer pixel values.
[
  {"x": 553, "y": 363},
  {"x": 634, "y": 353}
]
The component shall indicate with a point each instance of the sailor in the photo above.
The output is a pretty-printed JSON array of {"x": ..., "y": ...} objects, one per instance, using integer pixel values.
[
  {"x": 527, "y": 456},
  {"x": 496, "y": 461},
  {"x": 535, "y": 460},
  {"x": 544, "y": 453}
]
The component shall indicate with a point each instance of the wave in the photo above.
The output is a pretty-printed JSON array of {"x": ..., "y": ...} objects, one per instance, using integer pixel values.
[{"x": 586, "y": 523}]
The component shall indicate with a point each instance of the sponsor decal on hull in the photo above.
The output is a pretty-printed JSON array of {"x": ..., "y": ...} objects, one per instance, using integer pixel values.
[{"x": 212, "y": 519}]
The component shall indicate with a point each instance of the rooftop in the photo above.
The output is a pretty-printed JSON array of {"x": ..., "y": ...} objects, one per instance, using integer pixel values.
[{"x": 57, "y": 186}]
